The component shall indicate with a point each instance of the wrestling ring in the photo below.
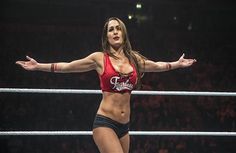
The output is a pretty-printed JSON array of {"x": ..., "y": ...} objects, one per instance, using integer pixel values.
[{"x": 148, "y": 93}]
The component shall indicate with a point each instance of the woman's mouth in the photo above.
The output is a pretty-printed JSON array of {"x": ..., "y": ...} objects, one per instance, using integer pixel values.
[{"x": 116, "y": 38}]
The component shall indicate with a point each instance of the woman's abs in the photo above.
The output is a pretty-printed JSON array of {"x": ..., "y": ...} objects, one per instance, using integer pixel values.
[{"x": 115, "y": 106}]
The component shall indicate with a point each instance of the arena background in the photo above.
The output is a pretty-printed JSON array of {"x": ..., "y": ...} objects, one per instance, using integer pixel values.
[{"x": 65, "y": 30}]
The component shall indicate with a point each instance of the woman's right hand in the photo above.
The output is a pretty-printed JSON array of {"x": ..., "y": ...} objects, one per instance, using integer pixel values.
[{"x": 29, "y": 65}]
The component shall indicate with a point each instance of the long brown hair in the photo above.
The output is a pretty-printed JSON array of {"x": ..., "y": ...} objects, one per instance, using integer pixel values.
[{"x": 126, "y": 46}]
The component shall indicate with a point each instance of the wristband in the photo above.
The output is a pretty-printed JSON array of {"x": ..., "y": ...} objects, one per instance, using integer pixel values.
[
  {"x": 53, "y": 67},
  {"x": 168, "y": 66}
]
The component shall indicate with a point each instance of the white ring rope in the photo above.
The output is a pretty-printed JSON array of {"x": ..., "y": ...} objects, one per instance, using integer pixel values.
[
  {"x": 80, "y": 91},
  {"x": 137, "y": 133}
]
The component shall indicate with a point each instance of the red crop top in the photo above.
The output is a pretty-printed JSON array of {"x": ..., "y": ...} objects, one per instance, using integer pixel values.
[{"x": 113, "y": 81}]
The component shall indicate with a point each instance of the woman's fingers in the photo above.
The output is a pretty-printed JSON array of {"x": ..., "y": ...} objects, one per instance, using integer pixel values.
[
  {"x": 29, "y": 58},
  {"x": 20, "y": 62},
  {"x": 192, "y": 60}
]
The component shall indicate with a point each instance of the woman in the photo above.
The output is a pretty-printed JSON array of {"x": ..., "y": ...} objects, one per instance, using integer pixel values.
[{"x": 119, "y": 69}]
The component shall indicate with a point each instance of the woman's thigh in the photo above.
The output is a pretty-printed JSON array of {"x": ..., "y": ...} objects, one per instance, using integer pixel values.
[
  {"x": 107, "y": 140},
  {"x": 125, "y": 142}
]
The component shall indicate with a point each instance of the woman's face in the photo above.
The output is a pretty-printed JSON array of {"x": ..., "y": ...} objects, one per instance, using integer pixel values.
[{"x": 114, "y": 34}]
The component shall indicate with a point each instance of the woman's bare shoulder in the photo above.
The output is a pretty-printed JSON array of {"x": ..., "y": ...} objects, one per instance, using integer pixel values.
[
  {"x": 97, "y": 56},
  {"x": 139, "y": 56}
]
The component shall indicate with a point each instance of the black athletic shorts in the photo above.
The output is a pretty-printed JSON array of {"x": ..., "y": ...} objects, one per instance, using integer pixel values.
[{"x": 119, "y": 128}]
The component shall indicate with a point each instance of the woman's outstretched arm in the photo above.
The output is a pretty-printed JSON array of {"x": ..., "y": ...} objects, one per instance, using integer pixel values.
[
  {"x": 151, "y": 66},
  {"x": 88, "y": 63}
]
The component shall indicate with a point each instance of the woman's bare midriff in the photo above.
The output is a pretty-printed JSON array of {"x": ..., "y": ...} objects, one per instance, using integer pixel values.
[{"x": 115, "y": 106}]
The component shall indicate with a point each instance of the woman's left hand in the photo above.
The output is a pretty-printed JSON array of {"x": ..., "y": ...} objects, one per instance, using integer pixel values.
[{"x": 185, "y": 62}]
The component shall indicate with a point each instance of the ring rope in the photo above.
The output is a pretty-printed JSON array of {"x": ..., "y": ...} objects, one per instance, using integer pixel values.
[
  {"x": 137, "y": 133},
  {"x": 80, "y": 91},
  {"x": 148, "y": 133}
]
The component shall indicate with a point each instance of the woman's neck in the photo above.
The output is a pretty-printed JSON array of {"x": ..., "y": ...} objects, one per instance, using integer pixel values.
[{"x": 117, "y": 52}]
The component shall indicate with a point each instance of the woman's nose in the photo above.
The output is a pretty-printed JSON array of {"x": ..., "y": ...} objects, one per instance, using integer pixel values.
[{"x": 115, "y": 31}]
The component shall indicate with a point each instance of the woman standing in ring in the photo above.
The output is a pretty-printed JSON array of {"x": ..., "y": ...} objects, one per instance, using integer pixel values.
[{"x": 119, "y": 69}]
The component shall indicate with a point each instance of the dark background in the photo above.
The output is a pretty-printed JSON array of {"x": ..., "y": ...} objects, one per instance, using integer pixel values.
[{"x": 65, "y": 30}]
